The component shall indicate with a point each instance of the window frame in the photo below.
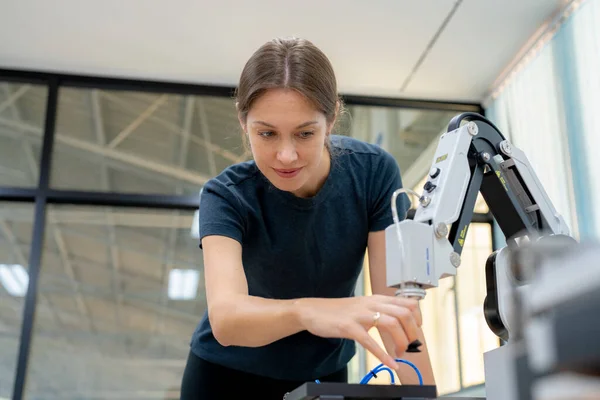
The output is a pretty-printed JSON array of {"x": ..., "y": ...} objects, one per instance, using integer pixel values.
[{"x": 43, "y": 195}]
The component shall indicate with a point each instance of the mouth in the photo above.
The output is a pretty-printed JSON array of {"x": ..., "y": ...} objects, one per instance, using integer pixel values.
[{"x": 287, "y": 173}]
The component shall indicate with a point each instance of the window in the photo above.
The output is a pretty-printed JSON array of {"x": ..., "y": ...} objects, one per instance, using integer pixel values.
[
  {"x": 134, "y": 142},
  {"x": 475, "y": 337},
  {"x": 120, "y": 285},
  {"x": 16, "y": 225},
  {"x": 107, "y": 321},
  {"x": 22, "y": 113}
]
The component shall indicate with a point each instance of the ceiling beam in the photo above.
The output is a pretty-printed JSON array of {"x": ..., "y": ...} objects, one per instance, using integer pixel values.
[
  {"x": 138, "y": 121},
  {"x": 54, "y": 227},
  {"x": 30, "y": 158},
  {"x": 11, "y": 98},
  {"x": 114, "y": 261},
  {"x": 173, "y": 128},
  {"x": 186, "y": 131},
  {"x": 92, "y": 148},
  {"x": 206, "y": 133}
]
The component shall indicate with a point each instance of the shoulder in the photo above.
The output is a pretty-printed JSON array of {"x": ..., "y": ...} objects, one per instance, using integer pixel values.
[
  {"x": 365, "y": 156},
  {"x": 235, "y": 175},
  {"x": 350, "y": 145},
  {"x": 232, "y": 184}
]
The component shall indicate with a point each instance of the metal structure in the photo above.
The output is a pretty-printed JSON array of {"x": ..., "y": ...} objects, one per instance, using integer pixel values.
[{"x": 74, "y": 134}]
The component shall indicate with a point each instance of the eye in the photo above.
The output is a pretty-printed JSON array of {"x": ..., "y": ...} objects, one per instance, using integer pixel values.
[
  {"x": 266, "y": 134},
  {"x": 306, "y": 134}
]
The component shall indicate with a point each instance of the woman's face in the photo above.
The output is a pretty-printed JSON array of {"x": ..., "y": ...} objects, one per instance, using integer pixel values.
[{"x": 287, "y": 135}]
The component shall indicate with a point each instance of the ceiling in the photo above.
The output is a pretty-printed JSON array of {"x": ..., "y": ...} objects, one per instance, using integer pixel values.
[{"x": 428, "y": 49}]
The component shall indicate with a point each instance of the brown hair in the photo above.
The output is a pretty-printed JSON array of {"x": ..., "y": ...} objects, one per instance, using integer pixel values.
[{"x": 289, "y": 63}]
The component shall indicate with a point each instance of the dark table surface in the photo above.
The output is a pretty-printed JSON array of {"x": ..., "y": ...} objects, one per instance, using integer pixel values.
[{"x": 344, "y": 391}]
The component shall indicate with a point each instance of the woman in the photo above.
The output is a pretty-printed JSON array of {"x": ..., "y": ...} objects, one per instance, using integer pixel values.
[{"x": 284, "y": 237}]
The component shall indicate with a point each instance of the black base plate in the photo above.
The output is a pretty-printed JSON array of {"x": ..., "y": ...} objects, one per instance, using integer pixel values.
[{"x": 355, "y": 391}]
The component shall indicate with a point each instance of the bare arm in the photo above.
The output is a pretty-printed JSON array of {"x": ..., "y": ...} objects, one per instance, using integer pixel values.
[
  {"x": 236, "y": 317},
  {"x": 377, "y": 274},
  {"x": 239, "y": 319}
]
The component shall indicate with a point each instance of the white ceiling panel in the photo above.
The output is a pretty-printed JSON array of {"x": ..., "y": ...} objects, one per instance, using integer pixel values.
[
  {"x": 477, "y": 44},
  {"x": 373, "y": 45}
]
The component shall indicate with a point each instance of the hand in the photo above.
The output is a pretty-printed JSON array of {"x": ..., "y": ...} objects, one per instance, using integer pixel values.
[
  {"x": 388, "y": 340},
  {"x": 351, "y": 318}
]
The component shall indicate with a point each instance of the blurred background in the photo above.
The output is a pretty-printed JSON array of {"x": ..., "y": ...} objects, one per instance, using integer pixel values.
[{"x": 113, "y": 115}]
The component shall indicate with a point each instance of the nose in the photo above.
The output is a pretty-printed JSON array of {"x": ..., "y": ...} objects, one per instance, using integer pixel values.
[{"x": 286, "y": 154}]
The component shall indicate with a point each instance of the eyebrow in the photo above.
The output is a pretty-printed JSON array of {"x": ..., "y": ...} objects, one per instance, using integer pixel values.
[{"x": 298, "y": 127}]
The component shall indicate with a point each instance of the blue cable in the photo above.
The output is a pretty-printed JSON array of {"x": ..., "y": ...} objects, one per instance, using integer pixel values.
[
  {"x": 373, "y": 374},
  {"x": 413, "y": 367},
  {"x": 382, "y": 367}
]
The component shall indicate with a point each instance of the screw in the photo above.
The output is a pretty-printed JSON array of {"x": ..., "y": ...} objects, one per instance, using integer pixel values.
[
  {"x": 425, "y": 201},
  {"x": 472, "y": 128},
  {"x": 505, "y": 147},
  {"x": 485, "y": 157},
  {"x": 455, "y": 259},
  {"x": 441, "y": 230}
]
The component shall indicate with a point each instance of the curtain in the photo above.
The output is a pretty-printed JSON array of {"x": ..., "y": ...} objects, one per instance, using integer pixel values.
[
  {"x": 551, "y": 110},
  {"x": 580, "y": 39},
  {"x": 528, "y": 114}
]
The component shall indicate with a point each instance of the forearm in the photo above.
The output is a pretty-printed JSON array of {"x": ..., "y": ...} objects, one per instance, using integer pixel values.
[
  {"x": 421, "y": 360},
  {"x": 252, "y": 321}
]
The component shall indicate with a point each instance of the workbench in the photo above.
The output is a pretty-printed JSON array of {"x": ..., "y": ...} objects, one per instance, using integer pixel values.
[{"x": 349, "y": 391}]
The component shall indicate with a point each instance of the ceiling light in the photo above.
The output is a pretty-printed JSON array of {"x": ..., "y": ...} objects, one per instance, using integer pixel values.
[
  {"x": 14, "y": 278},
  {"x": 183, "y": 284}
]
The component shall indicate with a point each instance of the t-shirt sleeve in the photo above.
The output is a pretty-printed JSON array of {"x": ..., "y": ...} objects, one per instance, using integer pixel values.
[
  {"x": 219, "y": 212},
  {"x": 385, "y": 180}
]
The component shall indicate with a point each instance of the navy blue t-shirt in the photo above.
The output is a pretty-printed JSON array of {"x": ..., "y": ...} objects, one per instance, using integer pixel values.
[{"x": 299, "y": 247}]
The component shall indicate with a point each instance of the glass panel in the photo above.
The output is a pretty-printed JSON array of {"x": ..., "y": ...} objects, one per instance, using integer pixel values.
[
  {"x": 16, "y": 225},
  {"x": 481, "y": 206},
  {"x": 22, "y": 117},
  {"x": 439, "y": 328},
  {"x": 403, "y": 133},
  {"x": 475, "y": 336},
  {"x": 120, "y": 322},
  {"x": 143, "y": 142}
]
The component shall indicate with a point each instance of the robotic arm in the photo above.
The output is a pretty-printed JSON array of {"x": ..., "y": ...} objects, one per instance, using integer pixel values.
[
  {"x": 475, "y": 158},
  {"x": 470, "y": 158}
]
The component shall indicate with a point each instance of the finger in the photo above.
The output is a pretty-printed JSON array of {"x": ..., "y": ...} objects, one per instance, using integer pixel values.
[
  {"x": 412, "y": 305},
  {"x": 393, "y": 327},
  {"x": 405, "y": 319},
  {"x": 363, "y": 337},
  {"x": 389, "y": 344}
]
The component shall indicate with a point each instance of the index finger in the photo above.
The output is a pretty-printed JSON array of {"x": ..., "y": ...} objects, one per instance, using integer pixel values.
[{"x": 363, "y": 337}]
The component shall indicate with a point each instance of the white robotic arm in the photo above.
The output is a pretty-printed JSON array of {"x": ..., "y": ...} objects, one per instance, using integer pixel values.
[{"x": 471, "y": 158}]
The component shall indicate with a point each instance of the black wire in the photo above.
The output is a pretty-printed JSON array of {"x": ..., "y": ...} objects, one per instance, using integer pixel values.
[{"x": 471, "y": 116}]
